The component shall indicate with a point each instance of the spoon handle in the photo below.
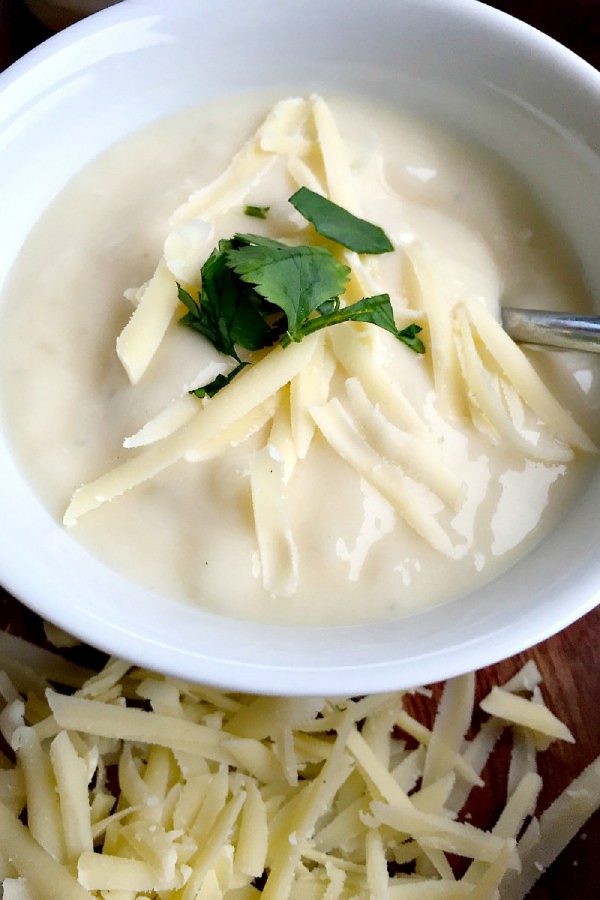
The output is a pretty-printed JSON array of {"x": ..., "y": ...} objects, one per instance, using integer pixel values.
[{"x": 552, "y": 329}]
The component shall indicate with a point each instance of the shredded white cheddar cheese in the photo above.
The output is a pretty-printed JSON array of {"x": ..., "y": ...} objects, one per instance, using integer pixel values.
[
  {"x": 256, "y": 384},
  {"x": 139, "y": 340},
  {"x": 46, "y": 878},
  {"x": 357, "y": 359},
  {"x": 281, "y": 436},
  {"x": 72, "y": 787},
  {"x": 525, "y": 713},
  {"x": 443, "y": 356},
  {"x": 338, "y": 429},
  {"x": 43, "y": 812},
  {"x": 558, "y": 825},
  {"x": 164, "y": 423},
  {"x": 304, "y": 176},
  {"x": 187, "y": 247},
  {"x": 452, "y": 721},
  {"x": 236, "y": 797},
  {"x": 246, "y": 168},
  {"x": 276, "y": 545},
  {"x": 520, "y": 372},
  {"x": 480, "y": 388},
  {"x": 309, "y": 388},
  {"x": 419, "y": 458},
  {"x": 340, "y": 187}
]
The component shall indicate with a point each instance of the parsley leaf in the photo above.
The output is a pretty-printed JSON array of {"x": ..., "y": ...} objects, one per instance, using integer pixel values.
[
  {"x": 213, "y": 387},
  {"x": 376, "y": 310},
  {"x": 257, "y": 212},
  {"x": 296, "y": 279},
  {"x": 337, "y": 224}
]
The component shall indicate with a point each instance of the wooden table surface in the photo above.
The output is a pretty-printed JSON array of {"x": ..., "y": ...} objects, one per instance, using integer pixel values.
[{"x": 570, "y": 661}]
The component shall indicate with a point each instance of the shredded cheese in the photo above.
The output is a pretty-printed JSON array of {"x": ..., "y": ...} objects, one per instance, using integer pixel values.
[
  {"x": 522, "y": 375},
  {"x": 557, "y": 826},
  {"x": 334, "y": 153},
  {"x": 141, "y": 337},
  {"x": 47, "y": 879},
  {"x": 187, "y": 248},
  {"x": 281, "y": 437},
  {"x": 525, "y": 713},
  {"x": 357, "y": 359},
  {"x": 208, "y": 794},
  {"x": 43, "y": 813},
  {"x": 252, "y": 388},
  {"x": 250, "y": 163},
  {"x": 452, "y": 720},
  {"x": 164, "y": 423},
  {"x": 443, "y": 356},
  {"x": 309, "y": 388},
  {"x": 276, "y": 545},
  {"x": 417, "y": 457},
  {"x": 72, "y": 787},
  {"x": 479, "y": 387},
  {"x": 341, "y": 434}
]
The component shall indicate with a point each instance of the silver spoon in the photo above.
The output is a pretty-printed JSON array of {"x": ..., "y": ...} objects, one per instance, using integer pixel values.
[{"x": 552, "y": 329}]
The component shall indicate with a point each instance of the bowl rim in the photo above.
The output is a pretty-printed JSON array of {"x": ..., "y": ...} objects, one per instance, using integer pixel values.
[
  {"x": 375, "y": 676},
  {"x": 477, "y": 9}
]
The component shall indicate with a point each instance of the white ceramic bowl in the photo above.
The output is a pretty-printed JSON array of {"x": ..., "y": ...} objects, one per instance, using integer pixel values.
[{"x": 457, "y": 61}]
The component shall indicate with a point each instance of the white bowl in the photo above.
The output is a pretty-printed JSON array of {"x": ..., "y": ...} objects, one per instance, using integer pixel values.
[{"x": 458, "y": 61}]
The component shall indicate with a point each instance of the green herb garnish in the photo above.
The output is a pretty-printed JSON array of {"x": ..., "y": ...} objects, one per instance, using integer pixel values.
[
  {"x": 213, "y": 387},
  {"x": 257, "y": 292},
  {"x": 296, "y": 279},
  {"x": 257, "y": 212},
  {"x": 229, "y": 311},
  {"x": 376, "y": 310},
  {"x": 337, "y": 224}
]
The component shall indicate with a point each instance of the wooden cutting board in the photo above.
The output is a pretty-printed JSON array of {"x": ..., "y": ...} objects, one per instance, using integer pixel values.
[{"x": 569, "y": 662}]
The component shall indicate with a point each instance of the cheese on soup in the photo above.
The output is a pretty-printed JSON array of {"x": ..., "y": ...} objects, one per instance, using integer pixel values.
[{"x": 293, "y": 455}]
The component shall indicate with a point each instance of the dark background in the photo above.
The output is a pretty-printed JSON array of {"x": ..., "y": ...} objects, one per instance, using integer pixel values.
[{"x": 570, "y": 662}]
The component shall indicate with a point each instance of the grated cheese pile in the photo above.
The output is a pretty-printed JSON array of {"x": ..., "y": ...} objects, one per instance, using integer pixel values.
[{"x": 134, "y": 786}]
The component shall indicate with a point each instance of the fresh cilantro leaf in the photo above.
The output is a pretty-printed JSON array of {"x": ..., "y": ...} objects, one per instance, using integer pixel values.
[
  {"x": 256, "y": 291},
  {"x": 250, "y": 240},
  {"x": 257, "y": 212},
  {"x": 336, "y": 223},
  {"x": 296, "y": 279},
  {"x": 212, "y": 314},
  {"x": 377, "y": 310},
  {"x": 409, "y": 337},
  {"x": 188, "y": 301},
  {"x": 199, "y": 319},
  {"x": 213, "y": 387},
  {"x": 230, "y": 312},
  {"x": 330, "y": 306}
]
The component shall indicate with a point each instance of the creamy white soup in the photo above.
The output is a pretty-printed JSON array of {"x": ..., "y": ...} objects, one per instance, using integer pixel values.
[{"x": 374, "y": 481}]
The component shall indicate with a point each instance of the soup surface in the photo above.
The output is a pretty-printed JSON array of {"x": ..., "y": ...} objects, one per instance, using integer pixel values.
[{"x": 189, "y": 532}]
